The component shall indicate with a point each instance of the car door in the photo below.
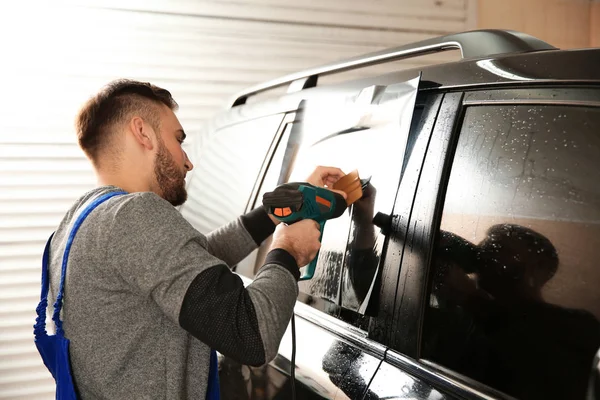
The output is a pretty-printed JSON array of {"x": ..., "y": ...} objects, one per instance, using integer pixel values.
[
  {"x": 499, "y": 289},
  {"x": 340, "y": 318}
]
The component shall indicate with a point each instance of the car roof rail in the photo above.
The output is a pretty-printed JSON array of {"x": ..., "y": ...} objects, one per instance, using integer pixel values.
[{"x": 472, "y": 44}]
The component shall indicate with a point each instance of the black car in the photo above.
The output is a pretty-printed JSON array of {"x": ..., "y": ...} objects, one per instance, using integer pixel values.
[{"x": 468, "y": 270}]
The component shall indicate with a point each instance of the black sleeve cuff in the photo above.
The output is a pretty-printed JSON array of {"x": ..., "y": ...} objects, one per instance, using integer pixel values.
[
  {"x": 286, "y": 260},
  {"x": 258, "y": 224}
]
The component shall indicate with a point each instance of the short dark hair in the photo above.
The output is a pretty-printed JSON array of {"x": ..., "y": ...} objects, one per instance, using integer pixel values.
[
  {"x": 115, "y": 102},
  {"x": 539, "y": 246}
]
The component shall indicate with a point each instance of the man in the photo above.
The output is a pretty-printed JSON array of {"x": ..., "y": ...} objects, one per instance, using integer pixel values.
[{"x": 146, "y": 295}]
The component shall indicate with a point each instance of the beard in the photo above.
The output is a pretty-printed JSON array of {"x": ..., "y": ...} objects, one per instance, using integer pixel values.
[{"x": 170, "y": 179}]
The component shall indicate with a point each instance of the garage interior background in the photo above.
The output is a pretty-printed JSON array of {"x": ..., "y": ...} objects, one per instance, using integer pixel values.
[{"x": 54, "y": 58}]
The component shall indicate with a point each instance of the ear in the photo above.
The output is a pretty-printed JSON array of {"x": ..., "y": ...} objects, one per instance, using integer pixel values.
[{"x": 142, "y": 132}]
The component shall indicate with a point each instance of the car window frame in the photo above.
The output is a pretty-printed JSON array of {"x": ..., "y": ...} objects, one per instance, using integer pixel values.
[
  {"x": 404, "y": 328},
  {"x": 417, "y": 143}
]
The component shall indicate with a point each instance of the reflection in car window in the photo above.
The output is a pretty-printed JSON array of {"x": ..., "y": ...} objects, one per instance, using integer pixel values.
[{"x": 514, "y": 299}]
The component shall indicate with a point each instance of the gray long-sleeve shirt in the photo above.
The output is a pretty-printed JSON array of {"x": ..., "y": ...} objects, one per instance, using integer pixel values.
[{"x": 147, "y": 296}]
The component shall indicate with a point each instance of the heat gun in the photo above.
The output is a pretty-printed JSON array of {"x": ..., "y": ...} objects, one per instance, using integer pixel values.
[{"x": 293, "y": 202}]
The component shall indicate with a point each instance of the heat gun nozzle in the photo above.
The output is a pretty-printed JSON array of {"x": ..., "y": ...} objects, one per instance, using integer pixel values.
[{"x": 340, "y": 206}]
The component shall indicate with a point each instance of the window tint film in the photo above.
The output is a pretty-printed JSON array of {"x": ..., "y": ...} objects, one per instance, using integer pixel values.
[
  {"x": 368, "y": 134},
  {"x": 514, "y": 300},
  {"x": 352, "y": 243}
]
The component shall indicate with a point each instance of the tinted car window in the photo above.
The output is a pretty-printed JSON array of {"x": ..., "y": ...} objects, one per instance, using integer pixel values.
[
  {"x": 514, "y": 300},
  {"x": 226, "y": 165}
]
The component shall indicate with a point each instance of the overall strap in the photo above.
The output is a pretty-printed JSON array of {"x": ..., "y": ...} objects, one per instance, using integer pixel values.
[
  {"x": 40, "y": 322},
  {"x": 59, "y": 297}
]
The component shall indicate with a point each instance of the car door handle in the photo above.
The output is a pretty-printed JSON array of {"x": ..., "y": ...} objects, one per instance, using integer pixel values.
[{"x": 383, "y": 221}]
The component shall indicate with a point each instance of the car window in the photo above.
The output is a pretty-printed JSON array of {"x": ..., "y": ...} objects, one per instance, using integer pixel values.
[
  {"x": 351, "y": 240},
  {"x": 514, "y": 300},
  {"x": 227, "y": 163},
  {"x": 351, "y": 247}
]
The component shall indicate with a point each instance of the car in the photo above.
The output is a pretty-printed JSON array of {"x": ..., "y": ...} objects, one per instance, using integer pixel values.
[{"x": 469, "y": 268}]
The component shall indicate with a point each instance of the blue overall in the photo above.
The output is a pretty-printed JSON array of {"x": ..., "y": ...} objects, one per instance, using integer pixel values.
[{"x": 54, "y": 349}]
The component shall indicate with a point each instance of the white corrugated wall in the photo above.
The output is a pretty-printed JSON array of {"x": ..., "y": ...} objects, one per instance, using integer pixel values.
[{"x": 53, "y": 57}]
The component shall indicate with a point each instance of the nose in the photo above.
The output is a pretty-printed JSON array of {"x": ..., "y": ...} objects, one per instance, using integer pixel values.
[{"x": 187, "y": 163}]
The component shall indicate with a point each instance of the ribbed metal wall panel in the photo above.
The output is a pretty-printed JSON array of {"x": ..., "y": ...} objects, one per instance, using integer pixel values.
[{"x": 55, "y": 56}]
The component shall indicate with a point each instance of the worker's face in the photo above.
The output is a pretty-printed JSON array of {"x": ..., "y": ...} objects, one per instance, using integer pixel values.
[{"x": 171, "y": 163}]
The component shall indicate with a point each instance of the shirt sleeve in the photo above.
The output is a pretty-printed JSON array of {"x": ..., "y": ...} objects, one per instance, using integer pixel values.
[
  {"x": 161, "y": 256},
  {"x": 234, "y": 241}
]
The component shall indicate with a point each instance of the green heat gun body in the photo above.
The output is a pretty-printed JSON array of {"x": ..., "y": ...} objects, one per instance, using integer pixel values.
[{"x": 293, "y": 202}]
